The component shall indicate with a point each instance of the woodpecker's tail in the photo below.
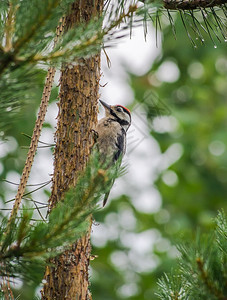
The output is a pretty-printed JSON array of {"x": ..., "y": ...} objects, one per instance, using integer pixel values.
[{"x": 106, "y": 198}]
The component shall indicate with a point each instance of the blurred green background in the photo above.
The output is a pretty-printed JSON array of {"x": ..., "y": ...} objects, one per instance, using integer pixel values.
[{"x": 134, "y": 247}]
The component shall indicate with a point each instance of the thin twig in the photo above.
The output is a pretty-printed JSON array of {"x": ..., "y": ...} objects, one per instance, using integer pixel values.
[
  {"x": 34, "y": 184},
  {"x": 28, "y": 193},
  {"x": 32, "y": 208},
  {"x": 38, "y": 147},
  {"x": 39, "y": 212},
  {"x": 28, "y": 136}
]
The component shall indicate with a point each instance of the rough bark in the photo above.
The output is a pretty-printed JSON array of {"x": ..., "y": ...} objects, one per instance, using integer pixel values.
[{"x": 68, "y": 277}]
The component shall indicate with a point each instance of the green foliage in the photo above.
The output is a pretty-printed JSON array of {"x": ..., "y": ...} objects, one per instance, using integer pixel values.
[
  {"x": 201, "y": 272},
  {"x": 40, "y": 20},
  {"x": 27, "y": 32},
  {"x": 197, "y": 104},
  {"x": 18, "y": 88},
  {"x": 194, "y": 103},
  {"x": 26, "y": 28},
  {"x": 28, "y": 244},
  {"x": 86, "y": 40},
  {"x": 201, "y": 24}
]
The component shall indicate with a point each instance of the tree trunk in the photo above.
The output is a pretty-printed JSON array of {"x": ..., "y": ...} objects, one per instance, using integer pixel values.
[{"x": 68, "y": 277}]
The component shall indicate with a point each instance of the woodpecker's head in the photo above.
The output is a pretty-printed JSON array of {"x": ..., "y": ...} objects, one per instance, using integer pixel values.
[{"x": 118, "y": 113}]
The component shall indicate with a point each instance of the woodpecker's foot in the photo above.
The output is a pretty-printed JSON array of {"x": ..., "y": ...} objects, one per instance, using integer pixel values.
[{"x": 95, "y": 135}]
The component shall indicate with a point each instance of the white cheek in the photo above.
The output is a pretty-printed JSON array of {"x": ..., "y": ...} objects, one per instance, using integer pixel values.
[{"x": 128, "y": 118}]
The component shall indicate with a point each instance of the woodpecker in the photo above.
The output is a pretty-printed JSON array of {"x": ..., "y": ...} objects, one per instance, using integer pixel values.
[{"x": 111, "y": 135}]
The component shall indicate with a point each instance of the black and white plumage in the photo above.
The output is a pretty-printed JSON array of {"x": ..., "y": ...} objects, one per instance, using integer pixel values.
[{"x": 111, "y": 135}]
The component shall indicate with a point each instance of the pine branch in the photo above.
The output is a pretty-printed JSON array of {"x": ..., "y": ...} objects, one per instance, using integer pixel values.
[
  {"x": 93, "y": 44},
  {"x": 202, "y": 266},
  {"x": 33, "y": 29},
  {"x": 9, "y": 27},
  {"x": 35, "y": 136},
  {"x": 86, "y": 44},
  {"x": 28, "y": 244},
  {"x": 12, "y": 49},
  {"x": 191, "y": 4},
  {"x": 16, "y": 42},
  {"x": 213, "y": 290},
  {"x": 212, "y": 22},
  {"x": 188, "y": 4},
  {"x": 33, "y": 145}
]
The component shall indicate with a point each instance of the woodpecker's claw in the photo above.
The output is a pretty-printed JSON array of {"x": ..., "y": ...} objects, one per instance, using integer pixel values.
[{"x": 95, "y": 135}]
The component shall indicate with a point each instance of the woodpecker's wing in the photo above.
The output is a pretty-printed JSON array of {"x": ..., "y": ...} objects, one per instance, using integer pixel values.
[
  {"x": 120, "y": 151},
  {"x": 111, "y": 146},
  {"x": 120, "y": 145},
  {"x": 117, "y": 166}
]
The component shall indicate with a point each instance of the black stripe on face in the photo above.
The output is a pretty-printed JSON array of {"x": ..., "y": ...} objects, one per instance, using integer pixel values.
[{"x": 122, "y": 122}]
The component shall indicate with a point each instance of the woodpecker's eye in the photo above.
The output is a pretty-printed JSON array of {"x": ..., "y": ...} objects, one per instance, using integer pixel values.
[{"x": 119, "y": 109}]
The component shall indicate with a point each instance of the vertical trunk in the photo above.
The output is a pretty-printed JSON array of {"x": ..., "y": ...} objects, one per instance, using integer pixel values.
[{"x": 68, "y": 278}]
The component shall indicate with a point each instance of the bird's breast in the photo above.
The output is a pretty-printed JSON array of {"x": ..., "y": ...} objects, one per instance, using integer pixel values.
[{"x": 111, "y": 139}]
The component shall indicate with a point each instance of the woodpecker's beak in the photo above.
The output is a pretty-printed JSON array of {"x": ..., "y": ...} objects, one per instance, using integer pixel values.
[{"x": 105, "y": 105}]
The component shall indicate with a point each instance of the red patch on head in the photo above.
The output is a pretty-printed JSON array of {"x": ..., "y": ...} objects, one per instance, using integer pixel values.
[{"x": 125, "y": 108}]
